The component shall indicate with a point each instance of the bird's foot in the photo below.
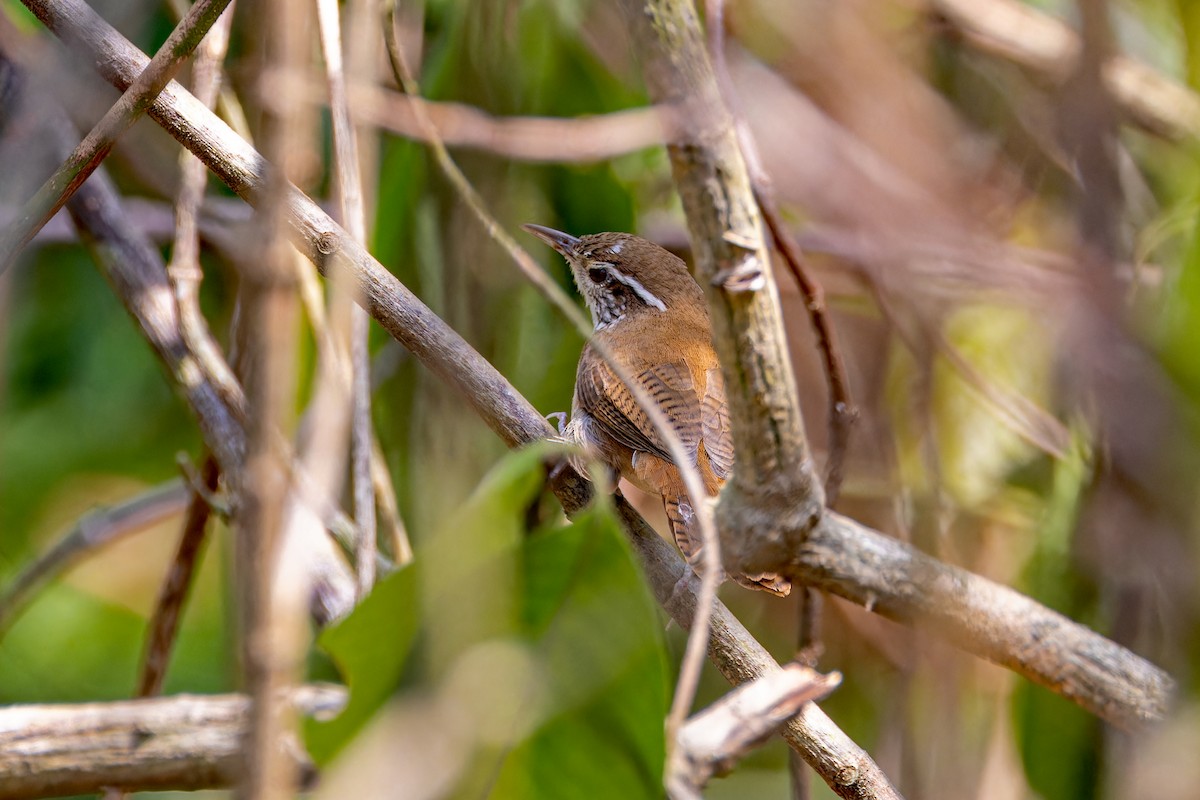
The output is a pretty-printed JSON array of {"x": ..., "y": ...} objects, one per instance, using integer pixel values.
[{"x": 560, "y": 419}]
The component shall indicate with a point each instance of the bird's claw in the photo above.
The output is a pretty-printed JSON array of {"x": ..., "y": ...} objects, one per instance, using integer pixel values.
[{"x": 561, "y": 421}]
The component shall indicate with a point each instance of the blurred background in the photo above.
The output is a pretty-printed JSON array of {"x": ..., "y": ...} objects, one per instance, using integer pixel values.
[{"x": 1003, "y": 215}]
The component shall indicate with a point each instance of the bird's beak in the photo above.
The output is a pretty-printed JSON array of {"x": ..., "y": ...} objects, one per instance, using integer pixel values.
[{"x": 564, "y": 243}]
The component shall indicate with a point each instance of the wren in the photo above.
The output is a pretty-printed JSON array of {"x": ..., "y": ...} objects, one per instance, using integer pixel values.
[{"x": 651, "y": 315}]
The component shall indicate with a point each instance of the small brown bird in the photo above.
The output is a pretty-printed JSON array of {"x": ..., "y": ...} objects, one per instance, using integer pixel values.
[{"x": 650, "y": 313}]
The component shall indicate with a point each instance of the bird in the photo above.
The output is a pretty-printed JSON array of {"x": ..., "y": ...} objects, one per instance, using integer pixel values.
[{"x": 651, "y": 316}]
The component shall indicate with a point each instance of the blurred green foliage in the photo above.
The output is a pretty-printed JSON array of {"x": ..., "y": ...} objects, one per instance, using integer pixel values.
[{"x": 551, "y": 632}]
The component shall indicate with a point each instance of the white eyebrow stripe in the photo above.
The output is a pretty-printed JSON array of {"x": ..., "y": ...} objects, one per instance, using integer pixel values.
[{"x": 641, "y": 291}]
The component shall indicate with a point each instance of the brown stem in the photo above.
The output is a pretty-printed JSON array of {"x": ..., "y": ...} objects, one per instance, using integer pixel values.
[
  {"x": 272, "y": 595},
  {"x": 164, "y": 623},
  {"x": 842, "y": 411},
  {"x": 775, "y": 494},
  {"x": 350, "y": 193}
]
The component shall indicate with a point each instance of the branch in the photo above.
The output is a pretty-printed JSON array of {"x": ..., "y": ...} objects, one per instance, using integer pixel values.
[
  {"x": 536, "y": 139},
  {"x": 135, "y": 269},
  {"x": 185, "y": 276},
  {"x": 270, "y": 521},
  {"x": 164, "y": 622},
  {"x": 775, "y": 487},
  {"x": 1013, "y": 31},
  {"x": 992, "y": 621},
  {"x": 841, "y": 763},
  {"x": 185, "y": 743},
  {"x": 715, "y": 739},
  {"x": 96, "y": 529},
  {"x": 842, "y": 412},
  {"x": 353, "y": 213},
  {"x": 99, "y": 141}
]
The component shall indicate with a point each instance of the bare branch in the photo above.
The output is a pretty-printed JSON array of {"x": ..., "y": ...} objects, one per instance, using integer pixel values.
[
  {"x": 536, "y": 139},
  {"x": 994, "y": 622},
  {"x": 186, "y": 742},
  {"x": 272, "y": 584},
  {"x": 99, "y": 141},
  {"x": 135, "y": 269},
  {"x": 1017, "y": 32},
  {"x": 349, "y": 187},
  {"x": 842, "y": 412},
  {"x": 185, "y": 276},
  {"x": 716, "y": 738},
  {"x": 841, "y": 763},
  {"x": 164, "y": 622},
  {"x": 98, "y": 528},
  {"x": 775, "y": 487},
  {"x": 183, "y": 270}
]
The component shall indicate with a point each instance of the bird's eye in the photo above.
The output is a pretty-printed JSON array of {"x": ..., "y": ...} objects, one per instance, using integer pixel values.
[{"x": 600, "y": 276}]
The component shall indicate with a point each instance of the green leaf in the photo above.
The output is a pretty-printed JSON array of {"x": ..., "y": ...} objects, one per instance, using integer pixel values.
[
  {"x": 370, "y": 648},
  {"x": 597, "y": 636},
  {"x": 551, "y": 638},
  {"x": 1059, "y": 743},
  {"x": 475, "y": 547}
]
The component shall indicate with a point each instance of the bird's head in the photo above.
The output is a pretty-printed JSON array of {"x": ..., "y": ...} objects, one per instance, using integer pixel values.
[{"x": 620, "y": 274}]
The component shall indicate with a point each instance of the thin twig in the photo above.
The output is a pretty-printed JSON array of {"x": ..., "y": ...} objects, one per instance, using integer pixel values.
[
  {"x": 693, "y": 661},
  {"x": 272, "y": 592},
  {"x": 520, "y": 138},
  {"x": 842, "y": 411},
  {"x": 349, "y": 189},
  {"x": 164, "y": 622},
  {"x": 93, "y": 531},
  {"x": 185, "y": 275},
  {"x": 385, "y": 494},
  {"x": 808, "y": 649},
  {"x": 99, "y": 141},
  {"x": 183, "y": 270},
  {"x": 715, "y": 739}
]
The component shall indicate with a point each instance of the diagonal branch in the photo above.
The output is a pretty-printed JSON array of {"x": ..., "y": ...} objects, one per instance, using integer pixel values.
[
  {"x": 1047, "y": 47},
  {"x": 715, "y": 739},
  {"x": 93, "y": 531},
  {"x": 994, "y": 622}
]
